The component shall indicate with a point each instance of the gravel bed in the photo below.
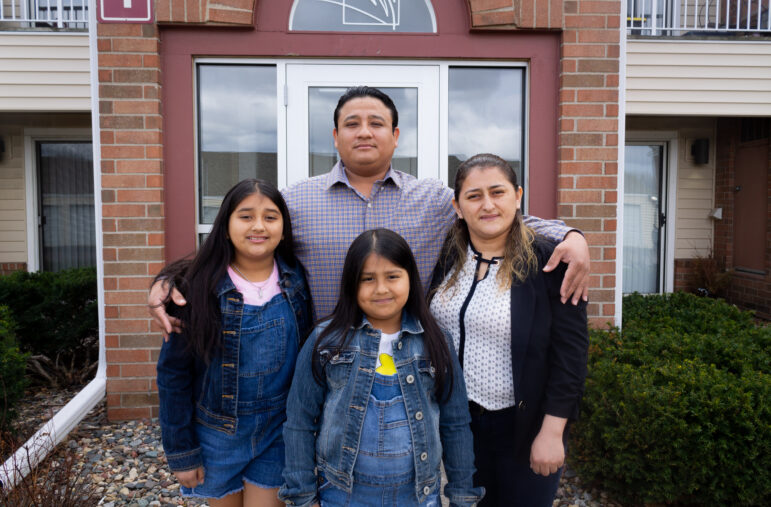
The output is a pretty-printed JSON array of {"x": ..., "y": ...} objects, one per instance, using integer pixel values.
[{"x": 126, "y": 464}]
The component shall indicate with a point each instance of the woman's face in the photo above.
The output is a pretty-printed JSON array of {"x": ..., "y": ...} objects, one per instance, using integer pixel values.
[
  {"x": 488, "y": 202},
  {"x": 255, "y": 229}
]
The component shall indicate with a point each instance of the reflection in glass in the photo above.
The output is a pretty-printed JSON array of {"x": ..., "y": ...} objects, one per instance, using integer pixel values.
[
  {"x": 486, "y": 115},
  {"x": 237, "y": 130},
  {"x": 642, "y": 171},
  {"x": 363, "y": 16},
  {"x": 321, "y": 107}
]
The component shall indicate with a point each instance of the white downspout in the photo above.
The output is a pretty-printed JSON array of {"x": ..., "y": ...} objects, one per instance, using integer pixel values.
[
  {"x": 57, "y": 428},
  {"x": 620, "y": 177}
]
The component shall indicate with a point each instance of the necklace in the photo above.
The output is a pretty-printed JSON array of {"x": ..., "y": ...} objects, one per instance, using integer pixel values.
[{"x": 258, "y": 286}]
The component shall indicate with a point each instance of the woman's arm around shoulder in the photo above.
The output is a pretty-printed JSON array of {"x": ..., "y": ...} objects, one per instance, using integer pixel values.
[
  {"x": 303, "y": 412},
  {"x": 176, "y": 378},
  {"x": 457, "y": 440}
]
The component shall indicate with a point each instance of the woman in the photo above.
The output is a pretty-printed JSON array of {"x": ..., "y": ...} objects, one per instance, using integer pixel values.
[{"x": 523, "y": 353}]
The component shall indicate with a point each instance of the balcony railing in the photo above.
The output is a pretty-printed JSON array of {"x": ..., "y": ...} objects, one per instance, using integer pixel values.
[
  {"x": 698, "y": 17},
  {"x": 43, "y": 14}
]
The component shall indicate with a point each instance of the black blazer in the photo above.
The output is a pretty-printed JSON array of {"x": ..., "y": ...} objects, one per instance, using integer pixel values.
[{"x": 549, "y": 346}]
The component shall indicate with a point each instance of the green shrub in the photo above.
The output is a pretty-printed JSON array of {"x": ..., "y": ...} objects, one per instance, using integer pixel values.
[
  {"x": 57, "y": 320},
  {"x": 677, "y": 406},
  {"x": 12, "y": 365}
]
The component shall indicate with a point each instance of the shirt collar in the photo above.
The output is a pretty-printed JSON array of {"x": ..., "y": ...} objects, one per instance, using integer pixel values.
[
  {"x": 410, "y": 324},
  {"x": 337, "y": 175}
]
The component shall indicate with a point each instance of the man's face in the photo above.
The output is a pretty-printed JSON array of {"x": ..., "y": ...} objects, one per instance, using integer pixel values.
[{"x": 364, "y": 136}]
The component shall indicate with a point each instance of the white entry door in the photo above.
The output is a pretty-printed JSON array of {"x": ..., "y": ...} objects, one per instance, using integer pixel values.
[{"x": 312, "y": 91}]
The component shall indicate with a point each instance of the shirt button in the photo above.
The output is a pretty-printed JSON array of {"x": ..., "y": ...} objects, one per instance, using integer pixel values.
[
  {"x": 423, "y": 456},
  {"x": 399, "y": 345},
  {"x": 419, "y": 416},
  {"x": 410, "y": 379},
  {"x": 426, "y": 490},
  {"x": 369, "y": 204}
]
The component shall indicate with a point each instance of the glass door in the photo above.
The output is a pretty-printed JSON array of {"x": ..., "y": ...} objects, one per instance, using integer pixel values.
[
  {"x": 312, "y": 92},
  {"x": 644, "y": 217},
  {"x": 66, "y": 205}
]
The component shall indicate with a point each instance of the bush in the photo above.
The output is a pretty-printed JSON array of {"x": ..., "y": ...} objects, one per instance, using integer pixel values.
[
  {"x": 57, "y": 321},
  {"x": 677, "y": 408},
  {"x": 12, "y": 364}
]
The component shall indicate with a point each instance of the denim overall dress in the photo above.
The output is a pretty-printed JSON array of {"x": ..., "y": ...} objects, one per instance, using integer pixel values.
[
  {"x": 255, "y": 453},
  {"x": 384, "y": 472}
]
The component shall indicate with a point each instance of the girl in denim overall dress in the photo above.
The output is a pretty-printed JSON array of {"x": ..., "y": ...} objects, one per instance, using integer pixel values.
[
  {"x": 223, "y": 381},
  {"x": 378, "y": 399}
]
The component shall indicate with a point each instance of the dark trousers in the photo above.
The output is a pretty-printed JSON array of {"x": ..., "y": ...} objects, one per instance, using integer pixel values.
[{"x": 508, "y": 481}]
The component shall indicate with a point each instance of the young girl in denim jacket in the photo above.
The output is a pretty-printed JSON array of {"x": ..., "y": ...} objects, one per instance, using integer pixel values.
[
  {"x": 223, "y": 381},
  {"x": 378, "y": 399}
]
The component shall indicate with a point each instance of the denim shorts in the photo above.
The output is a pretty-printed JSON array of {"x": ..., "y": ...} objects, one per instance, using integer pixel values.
[{"x": 255, "y": 454}]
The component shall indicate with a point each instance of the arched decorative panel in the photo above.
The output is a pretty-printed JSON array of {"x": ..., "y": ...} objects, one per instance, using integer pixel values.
[{"x": 416, "y": 16}]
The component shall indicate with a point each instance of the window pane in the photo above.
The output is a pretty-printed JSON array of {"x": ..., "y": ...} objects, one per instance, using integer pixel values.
[
  {"x": 321, "y": 108},
  {"x": 486, "y": 115},
  {"x": 67, "y": 237},
  {"x": 642, "y": 171},
  {"x": 363, "y": 16},
  {"x": 237, "y": 130}
]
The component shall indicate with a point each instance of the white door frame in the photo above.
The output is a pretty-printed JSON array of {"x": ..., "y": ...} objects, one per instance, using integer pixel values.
[
  {"x": 669, "y": 195},
  {"x": 301, "y": 76},
  {"x": 32, "y": 136}
]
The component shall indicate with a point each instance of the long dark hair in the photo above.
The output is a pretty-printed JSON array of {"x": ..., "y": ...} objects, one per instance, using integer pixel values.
[
  {"x": 519, "y": 258},
  {"x": 347, "y": 314},
  {"x": 197, "y": 279}
]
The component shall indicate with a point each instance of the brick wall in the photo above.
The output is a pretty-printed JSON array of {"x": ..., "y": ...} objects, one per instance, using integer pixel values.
[
  {"x": 132, "y": 210},
  {"x": 588, "y": 166},
  {"x": 132, "y": 165},
  {"x": 6, "y": 268}
]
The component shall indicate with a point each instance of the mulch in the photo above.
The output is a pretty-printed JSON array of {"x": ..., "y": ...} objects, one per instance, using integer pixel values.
[{"x": 125, "y": 464}]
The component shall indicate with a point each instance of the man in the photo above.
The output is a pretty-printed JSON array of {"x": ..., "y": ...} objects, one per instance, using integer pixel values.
[{"x": 363, "y": 192}]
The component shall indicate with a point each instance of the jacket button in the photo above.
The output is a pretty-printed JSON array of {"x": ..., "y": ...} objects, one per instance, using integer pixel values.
[
  {"x": 423, "y": 456},
  {"x": 426, "y": 490},
  {"x": 336, "y": 357},
  {"x": 522, "y": 405},
  {"x": 419, "y": 416},
  {"x": 399, "y": 345},
  {"x": 410, "y": 379}
]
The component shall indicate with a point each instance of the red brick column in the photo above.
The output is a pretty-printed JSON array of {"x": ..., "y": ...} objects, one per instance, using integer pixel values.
[
  {"x": 132, "y": 210},
  {"x": 588, "y": 167},
  {"x": 588, "y": 128}
]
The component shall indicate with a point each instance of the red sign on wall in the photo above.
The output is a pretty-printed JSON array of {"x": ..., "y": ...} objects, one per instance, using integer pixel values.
[{"x": 125, "y": 11}]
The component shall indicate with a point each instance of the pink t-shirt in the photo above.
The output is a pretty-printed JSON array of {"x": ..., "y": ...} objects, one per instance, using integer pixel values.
[{"x": 250, "y": 291}]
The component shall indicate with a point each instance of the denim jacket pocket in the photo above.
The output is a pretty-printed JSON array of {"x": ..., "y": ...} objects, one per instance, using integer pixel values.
[
  {"x": 427, "y": 375},
  {"x": 338, "y": 367},
  {"x": 266, "y": 350}
]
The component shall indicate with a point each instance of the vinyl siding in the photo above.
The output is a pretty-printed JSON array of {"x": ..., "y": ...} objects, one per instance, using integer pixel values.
[
  {"x": 698, "y": 78},
  {"x": 44, "y": 72}
]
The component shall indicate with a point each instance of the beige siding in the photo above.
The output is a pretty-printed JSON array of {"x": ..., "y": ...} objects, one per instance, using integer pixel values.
[
  {"x": 695, "y": 183},
  {"x": 13, "y": 235},
  {"x": 698, "y": 78},
  {"x": 44, "y": 72}
]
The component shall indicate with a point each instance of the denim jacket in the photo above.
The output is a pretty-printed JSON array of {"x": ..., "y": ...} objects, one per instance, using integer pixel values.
[
  {"x": 193, "y": 392},
  {"x": 324, "y": 422}
]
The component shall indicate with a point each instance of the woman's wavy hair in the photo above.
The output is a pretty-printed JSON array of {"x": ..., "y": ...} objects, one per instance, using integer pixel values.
[
  {"x": 197, "y": 278},
  {"x": 347, "y": 315},
  {"x": 519, "y": 258}
]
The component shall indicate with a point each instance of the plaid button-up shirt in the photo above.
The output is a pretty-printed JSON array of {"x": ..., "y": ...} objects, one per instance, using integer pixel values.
[{"x": 328, "y": 213}]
